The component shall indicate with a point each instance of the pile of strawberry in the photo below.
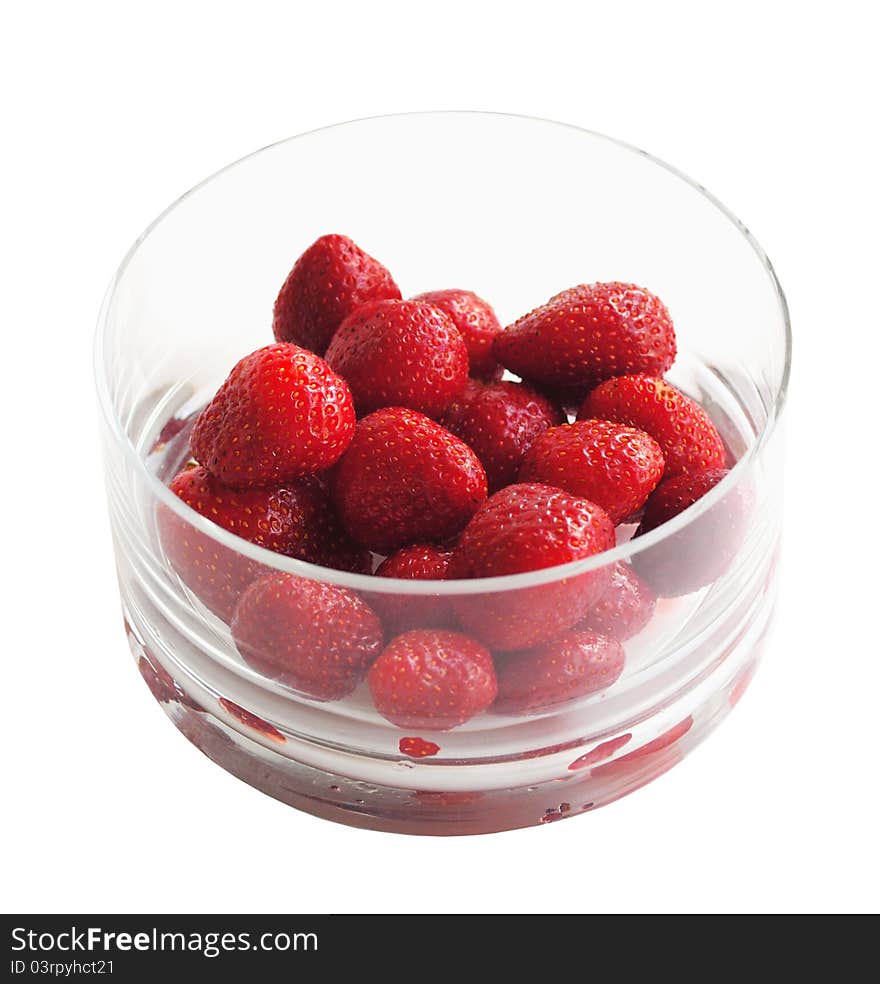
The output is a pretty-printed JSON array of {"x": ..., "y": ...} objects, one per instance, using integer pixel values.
[{"x": 378, "y": 425}]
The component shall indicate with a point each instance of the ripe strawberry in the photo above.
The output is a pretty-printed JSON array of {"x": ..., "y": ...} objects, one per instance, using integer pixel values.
[
  {"x": 572, "y": 667},
  {"x": 478, "y": 325},
  {"x": 625, "y": 608},
  {"x": 590, "y": 333},
  {"x": 216, "y": 575},
  {"x": 526, "y": 528},
  {"x": 296, "y": 520},
  {"x": 684, "y": 431},
  {"x": 615, "y": 466},
  {"x": 432, "y": 679},
  {"x": 280, "y": 414},
  {"x": 701, "y": 551},
  {"x": 500, "y": 421},
  {"x": 400, "y": 353},
  {"x": 405, "y": 479},
  {"x": 420, "y": 562},
  {"x": 317, "y": 638},
  {"x": 328, "y": 282}
]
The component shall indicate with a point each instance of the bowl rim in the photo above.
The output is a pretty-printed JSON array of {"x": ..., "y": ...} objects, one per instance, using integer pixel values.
[{"x": 387, "y": 585}]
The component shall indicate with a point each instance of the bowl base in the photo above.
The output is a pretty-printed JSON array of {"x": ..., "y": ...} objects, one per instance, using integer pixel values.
[{"x": 590, "y": 782}]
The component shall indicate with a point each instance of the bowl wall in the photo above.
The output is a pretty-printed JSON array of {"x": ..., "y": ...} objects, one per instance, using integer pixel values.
[{"x": 515, "y": 209}]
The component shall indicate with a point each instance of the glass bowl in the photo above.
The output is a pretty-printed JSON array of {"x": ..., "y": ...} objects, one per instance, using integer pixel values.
[{"x": 515, "y": 209}]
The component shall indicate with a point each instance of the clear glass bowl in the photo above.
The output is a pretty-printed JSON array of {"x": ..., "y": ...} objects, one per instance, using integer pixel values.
[{"x": 515, "y": 209}]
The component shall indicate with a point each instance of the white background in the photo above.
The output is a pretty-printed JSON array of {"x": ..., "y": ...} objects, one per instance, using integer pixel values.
[{"x": 111, "y": 110}]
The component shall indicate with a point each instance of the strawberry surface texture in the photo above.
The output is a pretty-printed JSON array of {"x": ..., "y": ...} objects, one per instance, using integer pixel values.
[
  {"x": 684, "y": 431},
  {"x": 432, "y": 679},
  {"x": 476, "y": 321},
  {"x": 589, "y": 333},
  {"x": 282, "y": 413},
  {"x": 522, "y": 528},
  {"x": 314, "y": 637},
  {"x": 400, "y": 354},
  {"x": 405, "y": 479},
  {"x": 331, "y": 279},
  {"x": 613, "y": 465}
]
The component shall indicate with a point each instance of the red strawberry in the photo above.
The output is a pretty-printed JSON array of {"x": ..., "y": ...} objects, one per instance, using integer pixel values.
[
  {"x": 541, "y": 679},
  {"x": 478, "y": 325},
  {"x": 280, "y": 414},
  {"x": 432, "y": 679},
  {"x": 400, "y": 354},
  {"x": 701, "y": 551},
  {"x": 500, "y": 421},
  {"x": 590, "y": 333},
  {"x": 625, "y": 608},
  {"x": 471, "y": 388},
  {"x": 615, "y": 466},
  {"x": 684, "y": 431},
  {"x": 296, "y": 520},
  {"x": 405, "y": 479},
  {"x": 317, "y": 638},
  {"x": 217, "y": 575},
  {"x": 328, "y": 282},
  {"x": 420, "y": 562},
  {"x": 526, "y": 528}
]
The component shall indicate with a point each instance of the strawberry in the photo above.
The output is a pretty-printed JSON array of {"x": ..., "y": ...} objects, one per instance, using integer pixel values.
[
  {"x": 217, "y": 575},
  {"x": 500, "y": 421},
  {"x": 328, "y": 282},
  {"x": 526, "y": 528},
  {"x": 405, "y": 479},
  {"x": 432, "y": 679},
  {"x": 280, "y": 414},
  {"x": 684, "y": 431},
  {"x": 699, "y": 552},
  {"x": 572, "y": 667},
  {"x": 421, "y": 562},
  {"x": 590, "y": 333},
  {"x": 624, "y": 609},
  {"x": 400, "y": 353},
  {"x": 615, "y": 466},
  {"x": 315, "y": 637},
  {"x": 478, "y": 325},
  {"x": 294, "y": 519}
]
